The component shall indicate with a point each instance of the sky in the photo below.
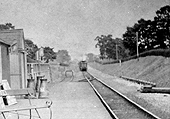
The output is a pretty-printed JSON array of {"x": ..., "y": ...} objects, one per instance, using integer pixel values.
[{"x": 74, "y": 24}]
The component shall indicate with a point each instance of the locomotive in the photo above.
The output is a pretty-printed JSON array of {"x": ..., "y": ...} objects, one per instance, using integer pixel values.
[{"x": 83, "y": 66}]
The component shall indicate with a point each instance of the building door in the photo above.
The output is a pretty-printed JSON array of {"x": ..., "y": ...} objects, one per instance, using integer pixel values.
[{"x": 15, "y": 71}]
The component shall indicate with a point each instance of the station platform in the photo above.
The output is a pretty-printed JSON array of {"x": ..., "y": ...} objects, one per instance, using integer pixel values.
[{"x": 76, "y": 100}]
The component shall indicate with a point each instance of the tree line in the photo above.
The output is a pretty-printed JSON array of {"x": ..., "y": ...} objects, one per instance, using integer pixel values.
[
  {"x": 151, "y": 34},
  {"x": 62, "y": 56}
]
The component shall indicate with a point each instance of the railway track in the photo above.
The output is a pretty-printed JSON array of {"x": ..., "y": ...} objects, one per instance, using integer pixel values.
[{"x": 117, "y": 104}]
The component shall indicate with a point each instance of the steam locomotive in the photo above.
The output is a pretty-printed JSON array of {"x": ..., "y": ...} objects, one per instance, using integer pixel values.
[{"x": 83, "y": 66}]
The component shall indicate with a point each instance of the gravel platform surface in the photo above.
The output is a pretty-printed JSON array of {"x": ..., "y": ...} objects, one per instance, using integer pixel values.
[{"x": 76, "y": 100}]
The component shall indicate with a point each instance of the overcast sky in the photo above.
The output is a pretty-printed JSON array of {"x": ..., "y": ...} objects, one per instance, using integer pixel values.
[{"x": 74, "y": 24}]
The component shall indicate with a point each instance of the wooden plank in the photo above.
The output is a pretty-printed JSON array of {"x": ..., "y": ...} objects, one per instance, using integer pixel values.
[
  {"x": 47, "y": 105},
  {"x": 2, "y": 105},
  {"x": 8, "y": 100},
  {"x": 16, "y": 92},
  {"x": 155, "y": 90}
]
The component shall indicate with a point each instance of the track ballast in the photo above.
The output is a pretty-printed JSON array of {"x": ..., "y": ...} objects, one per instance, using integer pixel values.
[{"x": 117, "y": 104}]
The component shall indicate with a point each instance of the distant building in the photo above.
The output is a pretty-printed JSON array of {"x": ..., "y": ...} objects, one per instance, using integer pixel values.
[
  {"x": 18, "y": 66},
  {"x": 40, "y": 55},
  {"x": 90, "y": 57}
]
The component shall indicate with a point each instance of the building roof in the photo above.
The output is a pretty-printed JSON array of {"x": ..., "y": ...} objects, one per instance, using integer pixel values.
[
  {"x": 4, "y": 42},
  {"x": 12, "y": 36}
]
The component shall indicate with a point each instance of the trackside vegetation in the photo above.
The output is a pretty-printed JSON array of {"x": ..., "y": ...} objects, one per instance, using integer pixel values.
[
  {"x": 147, "y": 37},
  {"x": 154, "y": 52}
]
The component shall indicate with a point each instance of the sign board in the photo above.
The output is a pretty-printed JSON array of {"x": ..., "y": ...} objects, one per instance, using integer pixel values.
[{"x": 10, "y": 100}]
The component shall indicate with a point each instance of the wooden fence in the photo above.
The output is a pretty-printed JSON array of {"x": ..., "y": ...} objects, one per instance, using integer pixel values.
[{"x": 34, "y": 69}]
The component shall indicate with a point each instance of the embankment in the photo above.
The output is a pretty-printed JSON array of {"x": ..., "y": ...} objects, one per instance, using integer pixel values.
[{"x": 151, "y": 68}]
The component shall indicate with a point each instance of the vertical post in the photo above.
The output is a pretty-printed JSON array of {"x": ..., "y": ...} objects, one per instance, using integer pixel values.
[
  {"x": 32, "y": 70},
  {"x": 50, "y": 74},
  {"x": 31, "y": 84},
  {"x": 25, "y": 70},
  {"x": 0, "y": 66},
  {"x": 116, "y": 52},
  {"x": 37, "y": 85},
  {"x": 43, "y": 93},
  {"x": 137, "y": 46},
  {"x": 29, "y": 70},
  {"x": 120, "y": 62},
  {"x": 38, "y": 67}
]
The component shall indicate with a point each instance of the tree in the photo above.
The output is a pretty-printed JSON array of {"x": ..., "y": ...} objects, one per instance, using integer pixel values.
[
  {"x": 129, "y": 40},
  {"x": 143, "y": 28},
  {"x": 30, "y": 48},
  {"x": 101, "y": 43},
  {"x": 63, "y": 56},
  {"x": 7, "y": 26},
  {"x": 122, "y": 52},
  {"x": 151, "y": 34},
  {"x": 107, "y": 47},
  {"x": 49, "y": 54},
  {"x": 162, "y": 22}
]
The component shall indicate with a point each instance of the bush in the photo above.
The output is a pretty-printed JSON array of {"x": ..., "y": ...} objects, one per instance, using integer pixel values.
[{"x": 154, "y": 52}]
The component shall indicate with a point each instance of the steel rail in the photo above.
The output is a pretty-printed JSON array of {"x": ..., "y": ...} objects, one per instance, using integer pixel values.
[
  {"x": 126, "y": 98},
  {"x": 113, "y": 115}
]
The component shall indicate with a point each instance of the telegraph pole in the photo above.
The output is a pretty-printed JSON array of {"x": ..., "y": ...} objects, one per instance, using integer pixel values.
[
  {"x": 116, "y": 52},
  {"x": 137, "y": 46}
]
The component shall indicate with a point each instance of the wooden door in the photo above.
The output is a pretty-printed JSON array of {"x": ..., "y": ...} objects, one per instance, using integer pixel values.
[{"x": 15, "y": 71}]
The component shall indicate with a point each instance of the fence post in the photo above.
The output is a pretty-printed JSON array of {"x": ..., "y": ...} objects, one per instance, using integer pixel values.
[
  {"x": 32, "y": 70},
  {"x": 31, "y": 84},
  {"x": 43, "y": 93},
  {"x": 50, "y": 73},
  {"x": 37, "y": 86}
]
